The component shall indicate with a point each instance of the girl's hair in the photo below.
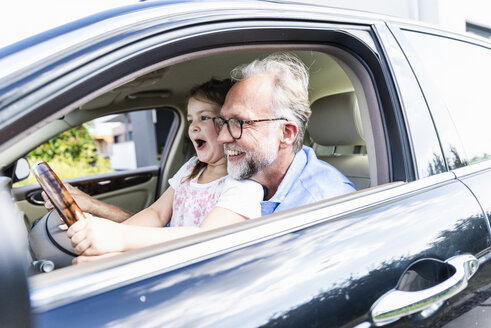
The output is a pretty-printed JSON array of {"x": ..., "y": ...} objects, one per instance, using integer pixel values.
[{"x": 213, "y": 91}]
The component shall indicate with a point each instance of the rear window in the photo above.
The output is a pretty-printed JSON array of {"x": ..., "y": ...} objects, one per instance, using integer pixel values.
[{"x": 461, "y": 72}]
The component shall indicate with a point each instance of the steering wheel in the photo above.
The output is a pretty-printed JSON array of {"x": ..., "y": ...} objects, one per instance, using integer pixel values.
[
  {"x": 61, "y": 199},
  {"x": 50, "y": 247}
]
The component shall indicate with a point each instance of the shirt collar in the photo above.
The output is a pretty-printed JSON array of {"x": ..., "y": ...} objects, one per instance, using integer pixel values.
[{"x": 297, "y": 165}]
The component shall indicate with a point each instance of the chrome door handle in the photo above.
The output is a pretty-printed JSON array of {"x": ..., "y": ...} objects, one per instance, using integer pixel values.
[{"x": 396, "y": 304}]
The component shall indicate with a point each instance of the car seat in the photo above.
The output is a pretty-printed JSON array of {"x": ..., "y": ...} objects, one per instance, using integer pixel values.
[{"x": 336, "y": 132}]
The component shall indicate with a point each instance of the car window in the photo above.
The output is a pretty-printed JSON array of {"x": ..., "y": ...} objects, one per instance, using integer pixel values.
[
  {"x": 460, "y": 71},
  {"x": 107, "y": 144}
]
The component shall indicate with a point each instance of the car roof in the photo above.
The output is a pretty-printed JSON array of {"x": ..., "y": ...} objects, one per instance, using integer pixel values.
[
  {"x": 23, "y": 19},
  {"x": 41, "y": 21},
  {"x": 30, "y": 22}
]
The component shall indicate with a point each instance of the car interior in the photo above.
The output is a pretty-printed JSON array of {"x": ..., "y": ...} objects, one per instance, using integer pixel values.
[{"x": 345, "y": 128}]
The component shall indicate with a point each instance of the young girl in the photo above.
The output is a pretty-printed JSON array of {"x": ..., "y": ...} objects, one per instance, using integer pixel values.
[
  {"x": 202, "y": 183},
  {"x": 201, "y": 196}
]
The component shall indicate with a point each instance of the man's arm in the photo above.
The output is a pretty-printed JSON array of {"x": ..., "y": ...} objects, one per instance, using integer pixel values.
[{"x": 91, "y": 205}]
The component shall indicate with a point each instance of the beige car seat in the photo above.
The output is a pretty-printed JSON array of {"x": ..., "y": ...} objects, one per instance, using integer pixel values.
[{"x": 336, "y": 131}]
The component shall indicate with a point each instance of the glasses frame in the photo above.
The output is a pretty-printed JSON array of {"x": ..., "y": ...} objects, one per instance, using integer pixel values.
[{"x": 241, "y": 123}]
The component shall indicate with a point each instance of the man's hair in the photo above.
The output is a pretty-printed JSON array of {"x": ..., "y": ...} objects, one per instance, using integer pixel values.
[{"x": 290, "y": 89}]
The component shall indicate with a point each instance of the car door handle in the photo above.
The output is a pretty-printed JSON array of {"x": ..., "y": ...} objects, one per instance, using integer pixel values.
[
  {"x": 396, "y": 304},
  {"x": 35, "y": 197}
]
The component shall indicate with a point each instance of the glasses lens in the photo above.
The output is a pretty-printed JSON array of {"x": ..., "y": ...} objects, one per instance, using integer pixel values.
[
  {"x": 218, "y": 123},
  {"x": 235, "y": 128}
]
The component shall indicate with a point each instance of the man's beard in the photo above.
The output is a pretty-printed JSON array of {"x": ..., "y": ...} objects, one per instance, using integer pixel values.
[{"x": 253, "y": 162}]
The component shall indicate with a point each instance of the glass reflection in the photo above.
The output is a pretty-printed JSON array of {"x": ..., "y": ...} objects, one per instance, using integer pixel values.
[{"x": 463, "y": 90}]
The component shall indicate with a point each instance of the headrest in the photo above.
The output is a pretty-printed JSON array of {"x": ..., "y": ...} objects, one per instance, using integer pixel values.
[{"x": 336, "y": 121}]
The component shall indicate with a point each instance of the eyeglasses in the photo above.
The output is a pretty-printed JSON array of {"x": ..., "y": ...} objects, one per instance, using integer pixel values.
[{"x": 234, "y": 125}]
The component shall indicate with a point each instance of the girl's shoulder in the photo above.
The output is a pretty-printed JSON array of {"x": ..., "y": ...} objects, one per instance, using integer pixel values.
[
  {"x": 187, "y": 167},
  {"x": 183, "y": 172},
  {"x": 242, "y": 185}
]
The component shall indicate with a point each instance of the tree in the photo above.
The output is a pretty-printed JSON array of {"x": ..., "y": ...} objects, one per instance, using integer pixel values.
[{"x": 75, "y": 144}]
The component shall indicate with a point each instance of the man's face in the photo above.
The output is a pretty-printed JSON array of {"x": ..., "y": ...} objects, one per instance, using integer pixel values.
[{"x": 258, "y": 146}]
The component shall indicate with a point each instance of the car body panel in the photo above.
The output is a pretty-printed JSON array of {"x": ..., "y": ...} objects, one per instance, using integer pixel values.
[{"x": 477, "y": 177}]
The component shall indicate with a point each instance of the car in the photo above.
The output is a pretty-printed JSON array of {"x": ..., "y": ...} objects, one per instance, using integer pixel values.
[{"x": 401, "y": 108}]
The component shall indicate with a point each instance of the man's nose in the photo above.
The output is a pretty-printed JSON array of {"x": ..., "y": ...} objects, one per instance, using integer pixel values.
[{"x": 224, "y": 136}]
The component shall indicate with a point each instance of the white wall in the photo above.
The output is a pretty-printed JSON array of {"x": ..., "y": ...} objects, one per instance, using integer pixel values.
[
  {"x": 450, "y": 14},
  {"x": 453, "y": 14}
]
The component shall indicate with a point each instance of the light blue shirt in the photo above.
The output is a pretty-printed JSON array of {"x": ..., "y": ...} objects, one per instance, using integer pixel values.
[{"x": 307, "y": 180}]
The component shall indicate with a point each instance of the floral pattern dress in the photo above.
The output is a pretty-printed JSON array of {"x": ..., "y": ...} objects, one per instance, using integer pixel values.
[{"x": 193, "y": 201}]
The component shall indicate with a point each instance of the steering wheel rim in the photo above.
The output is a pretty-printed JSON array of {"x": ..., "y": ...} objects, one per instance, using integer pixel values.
[{"x": 59, "y": 196}]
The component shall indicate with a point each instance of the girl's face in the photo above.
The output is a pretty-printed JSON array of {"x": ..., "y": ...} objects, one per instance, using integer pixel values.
[{"x": 202, "y": 133}]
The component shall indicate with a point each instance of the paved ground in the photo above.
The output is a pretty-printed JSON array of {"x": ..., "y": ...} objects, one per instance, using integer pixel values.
[{"x": 479, "y": 317}]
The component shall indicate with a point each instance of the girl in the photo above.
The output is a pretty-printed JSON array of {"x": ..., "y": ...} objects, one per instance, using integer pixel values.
[{"x": 201, "y": 196}]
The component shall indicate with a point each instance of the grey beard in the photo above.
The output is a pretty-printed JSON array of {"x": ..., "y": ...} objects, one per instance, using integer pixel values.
[{"x": 250, "y": 167}]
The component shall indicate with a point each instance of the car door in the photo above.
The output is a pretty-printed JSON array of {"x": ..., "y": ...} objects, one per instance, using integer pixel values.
[
  {"x": 331, "y": 263},
  {"x": 456, "y": 95},
  {"x": 320, "y": 265}
]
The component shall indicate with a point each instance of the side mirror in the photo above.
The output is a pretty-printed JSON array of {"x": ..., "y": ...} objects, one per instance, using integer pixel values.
[{"x": 21, "y": 170}]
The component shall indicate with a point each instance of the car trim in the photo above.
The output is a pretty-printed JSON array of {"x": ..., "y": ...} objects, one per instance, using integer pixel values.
[
  {"x": 473, "y": 170},
  {"x": 76, "y": 283},
  {"x": 23, "y": 192},
  {"x": 468, "y": 170}
]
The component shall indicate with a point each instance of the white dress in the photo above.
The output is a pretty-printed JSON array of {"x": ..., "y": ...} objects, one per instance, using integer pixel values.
[{"x": 193, "y": 201}]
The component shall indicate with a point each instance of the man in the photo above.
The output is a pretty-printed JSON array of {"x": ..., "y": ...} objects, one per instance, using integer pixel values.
[{"x": 266, "y": 114}]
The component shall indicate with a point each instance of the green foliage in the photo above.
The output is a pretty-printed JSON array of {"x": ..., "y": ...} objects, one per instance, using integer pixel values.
[
  {"x": 71, "y": 154},
  {"x": 75, "y": 144}
]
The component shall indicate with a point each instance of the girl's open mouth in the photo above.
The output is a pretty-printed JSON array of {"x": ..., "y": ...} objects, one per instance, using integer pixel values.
[{"x": 200, "y": 144}]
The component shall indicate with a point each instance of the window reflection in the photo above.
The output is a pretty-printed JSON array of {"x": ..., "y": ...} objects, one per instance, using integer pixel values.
[{"x": 460, "y": 71}]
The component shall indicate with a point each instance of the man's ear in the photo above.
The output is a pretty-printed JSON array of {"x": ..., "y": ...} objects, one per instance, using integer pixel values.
[{"x": 290, "y": 132}]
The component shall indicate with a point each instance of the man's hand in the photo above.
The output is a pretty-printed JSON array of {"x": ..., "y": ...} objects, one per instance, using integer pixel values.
[
  {"x": 97, "y": 236},
  {"x": 82, "y": 199},
  {"x": 88, "y": 204}
]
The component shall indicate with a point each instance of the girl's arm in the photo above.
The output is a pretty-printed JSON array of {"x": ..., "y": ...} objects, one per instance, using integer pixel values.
[
  {"x": 219, "y": 217},
  {"x": 96, "y": 236},
  {"x": 156, "y": 215}
]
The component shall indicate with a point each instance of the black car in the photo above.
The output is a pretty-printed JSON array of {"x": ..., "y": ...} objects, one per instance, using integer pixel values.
[{"x": 401, "y": 109}]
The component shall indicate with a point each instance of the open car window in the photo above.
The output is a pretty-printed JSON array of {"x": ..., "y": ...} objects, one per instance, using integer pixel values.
[{"x": 345, "y": 129}]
